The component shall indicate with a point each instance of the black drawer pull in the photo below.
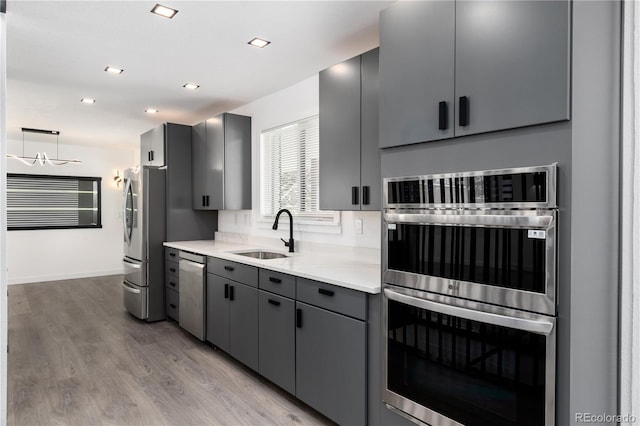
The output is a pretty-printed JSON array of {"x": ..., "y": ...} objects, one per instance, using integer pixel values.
[
  {"x": 463, "y": 114},
  {"x": 326, "y": 292},
  {"x": 442, "y": 116},
  {"x": 173, "y": 306},
  {"x": 299, "y": 318},
  {"x": 226, "y": 291},
  {"x": 171, "y": 283},
  {"x": 275, "y": 280},
  {"x": 229, "y": 268},
  {"x": 230, "y": 293},
  {"x": 172, "y": 254},
  {"x": 273, "y": 302},
  {"x": 355, "y": 195},
  {"x": 172, "y": 269}
]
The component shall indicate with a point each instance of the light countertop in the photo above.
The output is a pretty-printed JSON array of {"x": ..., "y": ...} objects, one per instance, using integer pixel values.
[{"x": 350, "y": 267}]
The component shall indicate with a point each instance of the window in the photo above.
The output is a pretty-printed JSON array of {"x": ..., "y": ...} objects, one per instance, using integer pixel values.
[
  {"x": 290, "y": 171},
  {"x": 52, "y": 202}
]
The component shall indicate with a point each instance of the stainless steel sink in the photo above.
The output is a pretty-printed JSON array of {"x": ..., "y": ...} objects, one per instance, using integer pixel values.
[{"x": 261, "y": 254}]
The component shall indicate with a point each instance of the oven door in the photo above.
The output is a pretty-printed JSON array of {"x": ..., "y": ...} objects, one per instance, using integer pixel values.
[
  {"x": 449, "y": 361},
  {"x": 503, "y": 257}
]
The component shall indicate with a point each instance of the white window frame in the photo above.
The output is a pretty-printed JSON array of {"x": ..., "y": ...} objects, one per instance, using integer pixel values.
[{"x": 323, "y": 221}]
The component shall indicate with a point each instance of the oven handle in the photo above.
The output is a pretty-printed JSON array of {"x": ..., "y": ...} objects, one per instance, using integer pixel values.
[
  {"x": 517, "y": 221},
  {"x": 533, "y": 326}
]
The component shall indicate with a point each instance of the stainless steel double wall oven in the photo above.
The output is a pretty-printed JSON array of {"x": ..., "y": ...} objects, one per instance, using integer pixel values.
[{"x": 470, "y": 297}]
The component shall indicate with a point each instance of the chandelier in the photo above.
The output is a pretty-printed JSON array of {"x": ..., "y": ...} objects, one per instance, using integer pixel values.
[{"x": 42, "y": 158}]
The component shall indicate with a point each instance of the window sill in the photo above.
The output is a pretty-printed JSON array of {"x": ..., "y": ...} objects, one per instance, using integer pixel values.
[{"x": 302, "y": 225}]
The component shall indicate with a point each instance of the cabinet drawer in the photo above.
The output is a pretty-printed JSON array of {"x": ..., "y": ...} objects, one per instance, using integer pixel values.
[
  {"x": 278, "y": 283},
  {"x": 244, "y": 274},
  {"x": 173, "y": 303},
  {"x": 171, "y": 269},
  {"x": 331, "y": 297},
  {"x": 171, "y": 254},
  {"x": 172, "y": 282}
]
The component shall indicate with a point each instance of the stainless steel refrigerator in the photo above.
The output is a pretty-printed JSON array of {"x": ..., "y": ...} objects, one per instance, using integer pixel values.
[{"x": 144, "y": 221}]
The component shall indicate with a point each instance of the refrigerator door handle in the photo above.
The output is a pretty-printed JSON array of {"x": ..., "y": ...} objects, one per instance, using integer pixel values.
[
  {"x": 127, "y": 231},
  {"x": 129, "y": 289},
  {"x": 132, "y": 264}
]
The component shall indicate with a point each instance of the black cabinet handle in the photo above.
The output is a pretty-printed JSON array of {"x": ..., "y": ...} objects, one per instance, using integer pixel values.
[
  {"x": 172, "y": 284},
  {"x": 173, "y": 306},
  {"x": 275, "y": 280},
  {"x": 172, "y": 254},
  {"x": 172, "y": 269},
  {"x": 207, "y": 200},
  {"x": 204, "y": 201},
  {"x": 229, "y": 268},
  {"x": 299, "y": 318},
  {"x": 326, "y": 292},
  {"x": 226, "y": 291},
  {"x": 151, "y": 155},
  {"x": 354, "y": 195},
  {"x": 463, "y": 114},
  {"x": 273, "y": 302},
  {"x": 230, "y": 292},
  {"x": 442, "y": 116},
  {"x": 365, "y": 195}
]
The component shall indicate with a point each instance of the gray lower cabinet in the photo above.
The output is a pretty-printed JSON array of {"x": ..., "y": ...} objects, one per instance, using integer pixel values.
[
  {"x": 232, "y": 318},
  {"x": 348, "y": 131},
  {"x": 276, "y": 340},
  {"x": 331, "y": 364},
  {"x": 172, "y": 282},
  {"x": 455, "y": 68}
]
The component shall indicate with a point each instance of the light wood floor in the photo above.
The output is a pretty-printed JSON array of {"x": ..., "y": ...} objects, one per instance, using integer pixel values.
[{"x": 76, "y": 357}]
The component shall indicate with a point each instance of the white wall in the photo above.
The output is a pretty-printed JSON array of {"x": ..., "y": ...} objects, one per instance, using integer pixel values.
[
  {"x": 290, "y": 104},
  {"x": 48, "y": 255}
]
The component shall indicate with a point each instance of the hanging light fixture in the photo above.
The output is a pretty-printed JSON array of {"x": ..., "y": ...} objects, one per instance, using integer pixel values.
[{"x": 43, "y": 158}]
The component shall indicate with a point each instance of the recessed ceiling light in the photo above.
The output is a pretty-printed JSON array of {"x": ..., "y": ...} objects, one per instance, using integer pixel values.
[
  {"x": 258, "y": 42},
  {"x": 88, "y": 101},
  {"x": 114, "y": 70},
  {"x": 151, "y": 110},
  {"x": 190, "y": 86},
  {"x": 165, "y": 11}
]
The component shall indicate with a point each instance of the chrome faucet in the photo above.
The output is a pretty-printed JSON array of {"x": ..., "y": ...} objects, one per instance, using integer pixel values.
[{"x": 275, "y": 226}]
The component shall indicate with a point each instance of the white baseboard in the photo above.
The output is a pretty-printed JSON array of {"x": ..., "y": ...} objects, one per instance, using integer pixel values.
[{"x": 59, "y": 277}]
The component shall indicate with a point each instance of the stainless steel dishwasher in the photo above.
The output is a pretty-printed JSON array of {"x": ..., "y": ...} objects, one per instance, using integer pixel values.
[{"x": 192, "y": 293}]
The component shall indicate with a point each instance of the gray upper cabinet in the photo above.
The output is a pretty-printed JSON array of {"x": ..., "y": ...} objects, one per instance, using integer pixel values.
[
  {"x": 417, "y": 53},
  {"x": 221, "y": 163},
  {"x": 152, "y": 146},
  {"x": 349, "y": 154},
  {"x": 451, "y": 69}
]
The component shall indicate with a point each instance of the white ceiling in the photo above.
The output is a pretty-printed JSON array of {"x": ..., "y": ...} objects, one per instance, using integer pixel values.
[{"x": 57, "y": 52}]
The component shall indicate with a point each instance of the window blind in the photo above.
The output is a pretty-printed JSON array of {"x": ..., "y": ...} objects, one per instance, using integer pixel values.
[
  {"x": 290, "y": 170},
  {"x": 52, "y": 202}
]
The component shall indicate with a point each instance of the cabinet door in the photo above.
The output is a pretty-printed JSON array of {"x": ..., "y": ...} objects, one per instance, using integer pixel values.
[
  {"x": 243, "y": 320},
  {"x": 152, "y": 147},
  {"x": 237, "y": 162},
  {"x": 276, "y": 340},
  {"x": 331, "y": 364},
  {"x": 215, "y": 162},
  {"x": 417, "y": 50},
  {"x": 369, "y": 151},
  {"x": 339, "y": 132},
  {"x": 199, "y": 166},
  {"x": 218, "y": 311},
  {"x": 512, "y": 63}
]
